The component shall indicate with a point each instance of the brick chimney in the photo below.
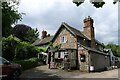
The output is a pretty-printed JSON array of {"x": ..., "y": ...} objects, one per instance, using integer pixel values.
[
  {"x": 89, "y": 30},
  {"x": 88, "y": 27},
  {"x": 44, "y": 34}
]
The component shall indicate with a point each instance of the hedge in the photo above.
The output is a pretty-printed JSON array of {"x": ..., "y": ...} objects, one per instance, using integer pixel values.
[
  {"x": 13, "y": 48},
  {"x": 27, "y": 63}
]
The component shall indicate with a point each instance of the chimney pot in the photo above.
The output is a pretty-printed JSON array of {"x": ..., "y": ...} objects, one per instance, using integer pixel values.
[{"x": 44, "y": 34}]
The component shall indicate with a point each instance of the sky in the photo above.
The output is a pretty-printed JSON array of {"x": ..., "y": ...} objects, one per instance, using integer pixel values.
[{"x": 49, "y": 14}]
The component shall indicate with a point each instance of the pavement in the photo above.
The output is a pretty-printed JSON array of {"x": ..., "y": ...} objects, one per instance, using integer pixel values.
[{"x": 44, "y": 72}]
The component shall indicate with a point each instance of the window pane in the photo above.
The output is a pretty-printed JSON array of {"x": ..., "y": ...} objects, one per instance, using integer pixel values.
[
  {"x": 63, "y": 39},
  {"x": 56, "y": 54},
  {"x": 62, "y": 54}
]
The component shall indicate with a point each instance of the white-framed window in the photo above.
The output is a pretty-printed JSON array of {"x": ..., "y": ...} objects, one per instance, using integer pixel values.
[
  {"x": 62, "y": 55},
  {"x": 63, "y": 39},
  {"x": 56, "y": 54},
  {"x": 59, "y": 54}
]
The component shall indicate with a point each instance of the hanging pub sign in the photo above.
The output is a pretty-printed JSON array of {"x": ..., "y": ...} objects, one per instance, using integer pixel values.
[
  {"x": 97, "y": 3},
  {"x": 78, "y": 2}
]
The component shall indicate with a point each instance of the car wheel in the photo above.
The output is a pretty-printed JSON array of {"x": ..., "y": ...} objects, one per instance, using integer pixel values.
[{"x": 15, "y": 75}]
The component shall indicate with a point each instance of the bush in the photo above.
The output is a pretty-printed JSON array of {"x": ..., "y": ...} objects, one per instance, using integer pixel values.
[
  {"x": 26, "y": 51},
  {"x": 13, "y": 48},
  {"x": 8, "y": 47},
  {"x": 27, "y": 63}
]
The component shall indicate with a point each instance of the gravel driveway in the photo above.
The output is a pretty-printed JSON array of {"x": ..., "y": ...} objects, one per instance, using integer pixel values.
[{"x": 44, "y": 72}]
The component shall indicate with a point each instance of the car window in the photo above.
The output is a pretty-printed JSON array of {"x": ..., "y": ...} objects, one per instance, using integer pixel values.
[{"x": 2, "y": 61}]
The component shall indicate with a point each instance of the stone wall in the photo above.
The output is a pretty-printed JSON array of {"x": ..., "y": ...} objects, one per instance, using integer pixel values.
[
  {"x": 70, "y": 39},
  {"x": 83, "y": 66}
]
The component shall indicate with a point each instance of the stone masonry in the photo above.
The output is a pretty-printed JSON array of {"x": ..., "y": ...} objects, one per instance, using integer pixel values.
[{"x": 71, "y": 41}]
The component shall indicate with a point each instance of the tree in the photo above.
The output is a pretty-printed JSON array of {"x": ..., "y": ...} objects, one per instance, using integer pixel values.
[
  {"x": 31, "y": 35},
  {"x": 10, "y": 16},
  {"x": 115, "y": 48},
  {"x": 25, "y": 33},
  {"x": 96, "y": 3},
  {"x": 20, "y": 30}
]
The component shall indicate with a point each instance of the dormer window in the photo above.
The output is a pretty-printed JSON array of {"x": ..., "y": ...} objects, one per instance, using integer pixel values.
[{"x": 63, "y": 39}]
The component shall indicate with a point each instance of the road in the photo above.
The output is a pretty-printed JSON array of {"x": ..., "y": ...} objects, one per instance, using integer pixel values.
[
  {"x": 104, "y": 74},
  {"x": 44, "y": 72}
]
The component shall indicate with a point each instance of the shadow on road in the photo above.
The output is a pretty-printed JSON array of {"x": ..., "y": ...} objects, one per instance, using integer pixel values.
[{"x": 39, "y": 73}]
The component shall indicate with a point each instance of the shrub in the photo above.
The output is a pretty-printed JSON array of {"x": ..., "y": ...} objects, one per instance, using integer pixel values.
[
  {"x": 27, "y": 63},
  {"x": 13, "y": 48},
  {"x": 26, "y": 51},
  {"x": 8, "y": 47}
]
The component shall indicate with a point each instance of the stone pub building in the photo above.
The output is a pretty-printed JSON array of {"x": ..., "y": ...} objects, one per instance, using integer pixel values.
[{"x": 78, "y": 48}]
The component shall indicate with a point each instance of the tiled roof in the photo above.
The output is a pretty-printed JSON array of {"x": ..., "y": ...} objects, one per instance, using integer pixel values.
[
  {"x": 94, "y": 50},
  {"x": 36, "y": 42},
  {"x": 46, "y": 40},
  {"x": 99, "y": 42},
  {"x": 80, "y": 33},
  {"x": 75, "y": 31},
  {"x": 43, "y": 41}
]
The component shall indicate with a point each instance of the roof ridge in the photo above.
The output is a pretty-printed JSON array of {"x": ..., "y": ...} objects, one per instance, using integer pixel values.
[
  {"x": 75, "y": 29},
  {"x": 72, "y": 27}
]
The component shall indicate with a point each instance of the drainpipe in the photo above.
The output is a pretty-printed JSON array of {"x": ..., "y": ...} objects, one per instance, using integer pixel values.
[{"x": 89, "y": 61}]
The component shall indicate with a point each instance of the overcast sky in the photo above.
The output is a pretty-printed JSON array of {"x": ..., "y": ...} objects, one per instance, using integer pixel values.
[{"x": 49, "y": 14}]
